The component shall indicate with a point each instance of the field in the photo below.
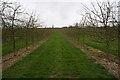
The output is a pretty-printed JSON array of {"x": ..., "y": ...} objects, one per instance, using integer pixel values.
[
  {"x": 58, "y": 57},
  {"x": 55, "y": 59},
  {"x": 60, "y": 40}
]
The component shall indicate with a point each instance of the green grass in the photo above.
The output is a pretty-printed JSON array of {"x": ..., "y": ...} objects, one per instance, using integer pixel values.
[
  {"x": 7, "y": 48},
  {"x": 100, "y": 45},
  {"x": 56, "y": 58}
]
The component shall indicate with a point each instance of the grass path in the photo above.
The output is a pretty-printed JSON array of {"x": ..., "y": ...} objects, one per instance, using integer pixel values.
[{"x": 56, "y": 58}]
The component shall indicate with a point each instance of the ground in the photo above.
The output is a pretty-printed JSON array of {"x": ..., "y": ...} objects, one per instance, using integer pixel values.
[{"x": 57, "y": 58}]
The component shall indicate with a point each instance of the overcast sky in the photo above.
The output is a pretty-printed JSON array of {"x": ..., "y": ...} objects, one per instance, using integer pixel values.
[{"x": 56, "y": 12}]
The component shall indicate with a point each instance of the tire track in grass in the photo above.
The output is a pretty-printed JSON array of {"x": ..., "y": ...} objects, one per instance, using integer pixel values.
[{"x": 57, "y": 58}]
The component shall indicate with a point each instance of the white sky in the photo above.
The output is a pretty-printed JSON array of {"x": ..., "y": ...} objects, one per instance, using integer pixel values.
[{"x": 56, "y": 12}]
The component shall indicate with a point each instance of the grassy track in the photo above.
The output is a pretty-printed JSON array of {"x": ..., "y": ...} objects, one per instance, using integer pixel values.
[{"x": 56, "y": 58}]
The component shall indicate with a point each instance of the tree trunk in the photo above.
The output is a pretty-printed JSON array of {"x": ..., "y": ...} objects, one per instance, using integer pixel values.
[
  {"x": 26, "y": 40},
  {"x": 119, "y": 49},
  {"x": 107, "y": 41},
  {"x": 32, "y": 35},
  {"x": 83, "y": 36},
  {"x": 13, "y": 40}
]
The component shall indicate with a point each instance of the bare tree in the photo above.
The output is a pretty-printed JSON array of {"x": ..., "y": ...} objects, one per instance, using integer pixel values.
[
  {"x": 21, "y": 26},
  {"x": 119, "y": 35},
  {"x": 77, "y": 30},
  {"x": 26, "y": 28},
  {"x": 102, "y": 14},
  {"x": 3, "y": 22},
  {"x": 83, "y": 24},
  {"x": 33, "y": 26},
  {"x": 10, "y": 18}
]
